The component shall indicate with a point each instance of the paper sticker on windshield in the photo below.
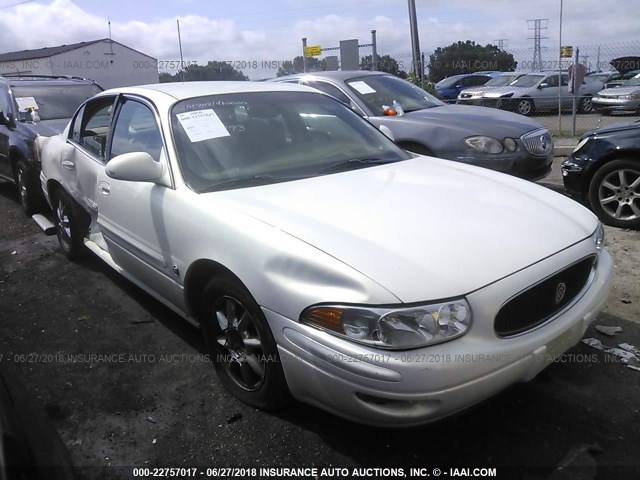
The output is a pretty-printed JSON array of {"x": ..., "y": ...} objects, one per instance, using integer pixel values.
[
  {"x": 202, "y": 125},
  {"x": 25, "y": 103},
  {"x": 362, "y": 87}
]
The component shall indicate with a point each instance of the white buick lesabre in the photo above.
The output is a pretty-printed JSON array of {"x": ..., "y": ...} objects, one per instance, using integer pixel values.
[{"x": 321, "y": 260}]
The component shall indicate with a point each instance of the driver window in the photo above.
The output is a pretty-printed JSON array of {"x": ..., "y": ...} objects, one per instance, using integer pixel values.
[
  {"x": 94, "y": 127},
  {"x": 136, "y": 130}
]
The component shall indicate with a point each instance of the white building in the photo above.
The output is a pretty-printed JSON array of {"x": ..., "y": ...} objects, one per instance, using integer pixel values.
[{"x": 109, "y": 63}]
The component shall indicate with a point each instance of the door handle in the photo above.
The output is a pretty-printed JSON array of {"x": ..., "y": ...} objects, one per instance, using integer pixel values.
[
  {"x": 105, "y": 188},
  {"x": 68, "y": 165}
]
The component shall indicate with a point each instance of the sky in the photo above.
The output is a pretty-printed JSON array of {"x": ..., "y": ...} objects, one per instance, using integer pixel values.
[{"x": 259, "y": 31}]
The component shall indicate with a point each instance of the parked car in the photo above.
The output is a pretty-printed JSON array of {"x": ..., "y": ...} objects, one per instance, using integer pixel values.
[
  {"x": 473, "y": 95},
  {"x": 539, "y": 92},
  {"x": 625, "y": 98},
  {"x": 322, "y": 260},
  {"x": 423, "y": 124},
  {"x": 619, "y": 80},
  {"x": 604, "y": 173},
  {"x": 450, "y": 87},
  {"x": 32, "y": 106}
]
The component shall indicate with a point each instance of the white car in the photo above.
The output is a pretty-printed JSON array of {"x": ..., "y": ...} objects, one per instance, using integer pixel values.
[{"x": 320, "y": 259}]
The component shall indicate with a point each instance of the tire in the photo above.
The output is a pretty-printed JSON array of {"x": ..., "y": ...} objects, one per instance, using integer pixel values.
[
  {"x": 69, "y": 229},
  {"x": 31, "y": 201},
  {"x": 241, "y": 345},
  {"x": 525, "y": 107},
  {"x": 614, "y": 193},
  {"x": 586, "y": 106}
]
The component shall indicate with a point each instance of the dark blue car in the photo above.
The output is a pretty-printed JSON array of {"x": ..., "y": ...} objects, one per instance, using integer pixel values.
[{"x": 449, "y": 88}]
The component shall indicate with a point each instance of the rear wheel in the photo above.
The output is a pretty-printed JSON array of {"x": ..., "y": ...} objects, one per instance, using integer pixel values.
[
  {"x": 242, "y": 348},
  {"x": 68, "y": 226},
  {"x": 30, "y": 198},
  {"x": 614, "y": 193},
  {"x": 585, "y": 105}
]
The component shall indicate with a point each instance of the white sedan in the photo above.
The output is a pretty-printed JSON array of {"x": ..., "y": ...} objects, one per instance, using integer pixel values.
[{"x": 322, "y": 261}]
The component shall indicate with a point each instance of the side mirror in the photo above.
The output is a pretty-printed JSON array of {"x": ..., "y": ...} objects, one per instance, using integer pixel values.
[
  {"x": 5, "y": 120},
  {"x": 134, "y": 167},
  {"x": 543, "y": 85}
]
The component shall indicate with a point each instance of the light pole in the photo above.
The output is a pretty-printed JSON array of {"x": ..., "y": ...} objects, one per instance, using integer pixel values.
[{"x": 415, "y": 41}]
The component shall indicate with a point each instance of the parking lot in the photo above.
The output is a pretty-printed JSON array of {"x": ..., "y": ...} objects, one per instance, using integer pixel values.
[
  {"x": 127, "y": 383},
  {"x": 584, "y": 121}
]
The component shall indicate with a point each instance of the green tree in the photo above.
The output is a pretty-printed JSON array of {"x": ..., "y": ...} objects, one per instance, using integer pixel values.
[
  {"x": 297, "y": 66},
  {"x": 468, "y": 57},
  {"x": 213, "y": 70},
  {"x": 386, "y": 63}
]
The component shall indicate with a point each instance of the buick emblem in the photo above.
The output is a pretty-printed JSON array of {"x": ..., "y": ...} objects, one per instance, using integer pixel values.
[
  {"x": 543, "y": 142},
  {"x": 561, "y": 289}
]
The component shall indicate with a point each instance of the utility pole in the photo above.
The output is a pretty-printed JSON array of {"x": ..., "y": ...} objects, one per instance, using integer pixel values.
[
  {"x": 304, "y": 54},
  {"x": 415, "y": 41},
  {"x": 501, "y": 43},
  {"x": 374, "y": 51},
  {"x": 537, "y": 25},
  {"x": 180, "y": 44}
]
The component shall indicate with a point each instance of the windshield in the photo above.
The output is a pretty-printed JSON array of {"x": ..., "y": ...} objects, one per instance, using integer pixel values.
[
  {"x": 244, "y": 139},
  {"x": 596, "y": 77},
  {"x": 377, "y": 91},
  {"x": 53, "y": 101},
  {"x": 632, "y": 82},
  {"x": 528, "y": 80},
  {"x": 501, "y": 80},
  {"x": 449, "y": 82}
]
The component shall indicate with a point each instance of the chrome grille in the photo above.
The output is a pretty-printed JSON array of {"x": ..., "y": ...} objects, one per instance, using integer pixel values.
[{"x": 538, "y": 142}]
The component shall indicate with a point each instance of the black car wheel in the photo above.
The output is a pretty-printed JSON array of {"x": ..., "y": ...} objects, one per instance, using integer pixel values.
[
  {"x": 27, "y": 189},
  {"x": 614, "y": 194},
  {"x": 68, "y": 226},
  {"x": 525, "y": 107},
  {"x": 242, "y": 348}
]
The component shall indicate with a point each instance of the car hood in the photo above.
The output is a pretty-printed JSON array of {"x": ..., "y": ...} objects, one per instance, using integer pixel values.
[
  {"x": 473, "y": 120},
  {"x": 477, "y": 90},
  {"x": 49, "y": 128},
  {"x": 500, "y": 91},
  {"x": 424, "y": 228},
  {"x": 615, "y": 92},
  {"x": 618, "y": 127}
]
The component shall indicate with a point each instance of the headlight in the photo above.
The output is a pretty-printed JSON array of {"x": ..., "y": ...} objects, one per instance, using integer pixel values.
[
  {"x": 631, "y": 96},
  {"x": 393, "y": 328},
  {"x": 510, "y": 144},
  {"x": 581, "y": 144},
  {"x": 598, "y": 236},
  {"x": 485, "y": 144}
]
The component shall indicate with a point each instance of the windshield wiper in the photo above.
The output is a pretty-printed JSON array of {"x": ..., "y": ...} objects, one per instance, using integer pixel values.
[
  {"x": 355, "y": 163},
  {"x": 245, "y": 182}
]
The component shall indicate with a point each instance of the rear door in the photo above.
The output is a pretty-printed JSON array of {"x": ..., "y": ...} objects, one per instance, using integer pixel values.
[{"x": 88, "y": 134}]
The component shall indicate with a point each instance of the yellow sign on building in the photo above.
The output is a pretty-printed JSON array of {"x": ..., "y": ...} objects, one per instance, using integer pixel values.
[
  {"x": 566, "y": 52},
  {"x": 312, "y": 51}
]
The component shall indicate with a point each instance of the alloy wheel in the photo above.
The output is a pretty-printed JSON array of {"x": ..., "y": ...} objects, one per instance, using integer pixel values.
[
  {"x": 619, "y": 194},
  {"x": 241, "y": 350}
]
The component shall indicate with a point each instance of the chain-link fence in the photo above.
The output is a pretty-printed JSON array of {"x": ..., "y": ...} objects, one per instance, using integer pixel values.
[{"x": 543, "y": 90}]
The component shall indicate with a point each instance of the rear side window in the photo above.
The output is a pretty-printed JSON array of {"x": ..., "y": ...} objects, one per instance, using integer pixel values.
[{"x": 4, "y": 101}]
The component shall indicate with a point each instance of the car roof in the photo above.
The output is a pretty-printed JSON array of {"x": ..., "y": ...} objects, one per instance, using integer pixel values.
[
  {"x": 21, "y": 80},
  {"x": 182, "y": 90},
  {"x": 341, "y": 75}
]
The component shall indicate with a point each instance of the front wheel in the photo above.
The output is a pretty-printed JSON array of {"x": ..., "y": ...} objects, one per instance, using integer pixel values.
[
  {"x": 614, "y": 193},
  {"x": 242, "y": 348},
  {"x": 525, "y": 107},
  {"x": 68, "y": 226}
]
